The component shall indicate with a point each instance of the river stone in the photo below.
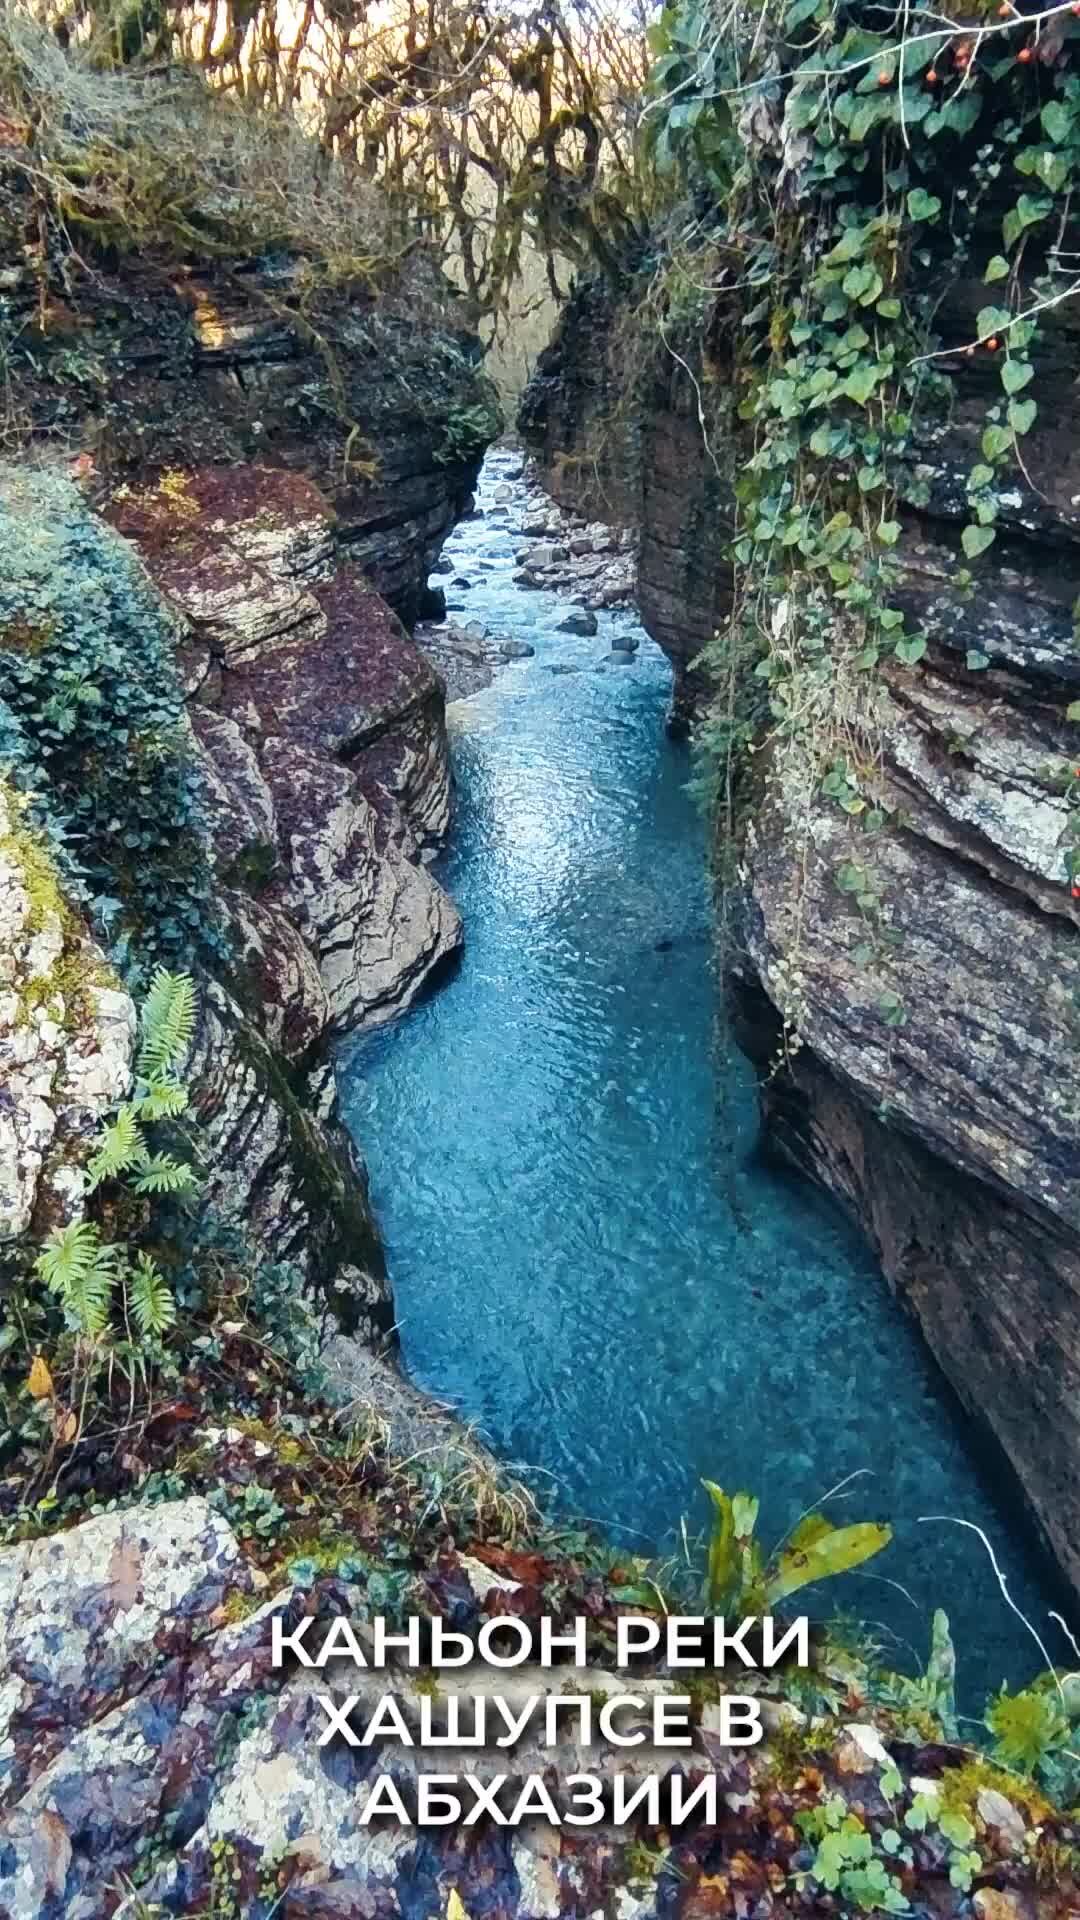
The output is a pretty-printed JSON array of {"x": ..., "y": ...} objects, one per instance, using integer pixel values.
[
  {"x": 621, "y": 656},
  {"x": 516, "y": 650},
  {"x": 584, "y": 623},
  {"x": 504, "y": 494}
]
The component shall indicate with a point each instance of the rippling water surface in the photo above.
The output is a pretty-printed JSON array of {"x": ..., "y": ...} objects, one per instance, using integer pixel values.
[{"x": 588, "y": 1255}]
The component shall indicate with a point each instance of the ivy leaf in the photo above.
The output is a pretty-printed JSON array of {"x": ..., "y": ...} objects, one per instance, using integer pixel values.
[
  {"x": 1072, "y": 711},
  {"x": 976, "y": 660},
  {"x": 861, "y": 382},
  {"x": 863, "y": 283},
  {"x": 991, "y": 320},
  {"x": 922, "y": 205},
  {"x": 1057, "y": 122},
  {"x": 889, "y": 308},
  {"x": 975, "y": 540},
  {"x": 1015, "y": 374},
  {"x": 889, "y": 532},
  {"x": 979, "y": 477},
  {"x": 997, "y": 269},
  {"x": 910, "y": 652},
  {"x": 1026, "y": 213},
  {"x": 1021, "y": 415},
  {"x": 995, "y": 442}
]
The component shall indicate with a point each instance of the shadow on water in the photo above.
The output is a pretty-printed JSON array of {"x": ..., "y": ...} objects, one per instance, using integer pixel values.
[{"x": 591, "y": 1254}]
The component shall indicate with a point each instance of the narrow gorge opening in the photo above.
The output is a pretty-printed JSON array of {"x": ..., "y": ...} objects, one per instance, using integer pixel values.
[{"x": 590, "y": 1258}]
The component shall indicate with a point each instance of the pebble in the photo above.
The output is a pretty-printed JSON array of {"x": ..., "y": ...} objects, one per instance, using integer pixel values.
[
  {"x": 516, "y": 650},
  {"x": 584, "y": 623}
]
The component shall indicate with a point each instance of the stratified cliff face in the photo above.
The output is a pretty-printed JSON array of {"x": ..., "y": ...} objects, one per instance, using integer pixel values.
[
  {"x": 284, "y": 471},
  {"x": 240, "y": 363},
  {"x": 636, "y": 457},
  {"x": 953, "y": 1136}
]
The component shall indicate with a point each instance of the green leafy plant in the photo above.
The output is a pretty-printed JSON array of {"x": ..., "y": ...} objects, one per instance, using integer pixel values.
[
  {"x": 741, "y": 1578},
  {"x": 847, "y": 1861},
  {"x": 85, "y": 1272},
  {"x": 1028, "y": 1727}
]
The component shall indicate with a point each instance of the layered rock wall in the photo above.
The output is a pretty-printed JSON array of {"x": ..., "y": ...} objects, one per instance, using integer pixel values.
[
  {"x": 286, "y": 466},
  {"x": 933, "y": 1086}
]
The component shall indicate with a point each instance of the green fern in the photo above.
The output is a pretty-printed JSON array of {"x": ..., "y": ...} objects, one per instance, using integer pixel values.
[
  {"x": 153, "y": 1308},
  {"x": 165, "y": 1100},
  {"x": 167, "y": 1024},
  {"x": 80, "y": 1269},
  {"x": 160, "y": 1173},
  {"x": 122, "y": 1146}
]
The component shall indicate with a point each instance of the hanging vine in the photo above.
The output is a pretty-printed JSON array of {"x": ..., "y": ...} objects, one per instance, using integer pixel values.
[{"x": 846, "y": 167}]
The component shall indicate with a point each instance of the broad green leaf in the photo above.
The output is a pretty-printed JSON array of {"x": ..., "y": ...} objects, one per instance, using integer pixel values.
[
  {"x": 922, "y": 205},
  {"x": 811, "y": 1528},
  {"x": 1015, "y": 374},
  {"x": 975, "y": 540},
  {"x": 1072, "y": 711},
  {"x": 888, "y": 532},
  {"x": 861, "y": 382},
  {"x": 1057, "y": 122},
  {"x": 1026, "y": 213},
  {"x": 976, "y": 660},
  {"x": 997, "y": 269},
  {"x": 835, "y": 1552},
  {"x": 722, "y": 1559},
  {"x": 991, "y": 320},
  {"x": 910, "y": 652},
  {"x": 995, "y": 442},
  {"x": 1021, "y": 415}
]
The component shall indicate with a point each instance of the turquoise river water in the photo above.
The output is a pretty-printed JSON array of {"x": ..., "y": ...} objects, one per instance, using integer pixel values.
[{"x": 590, "y": 1257}]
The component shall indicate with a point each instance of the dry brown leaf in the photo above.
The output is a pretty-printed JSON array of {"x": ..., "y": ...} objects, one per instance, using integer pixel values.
[{"x": 65, "y": 1425}]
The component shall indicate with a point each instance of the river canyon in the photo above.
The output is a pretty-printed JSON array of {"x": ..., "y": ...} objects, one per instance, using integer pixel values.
[{"x": 591, "y": 1257}]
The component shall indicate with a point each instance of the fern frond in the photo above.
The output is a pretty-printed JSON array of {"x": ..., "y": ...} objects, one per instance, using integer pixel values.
[
  {"x": 164, "y": 1100},
  {"x": 160, "y": 1173},
  {"x": 80, "y": 1268},
  {"x": 153, "y": 1308},
  {"x": 122, "y": 1146},
  {"x": 166, "y": 1024}
]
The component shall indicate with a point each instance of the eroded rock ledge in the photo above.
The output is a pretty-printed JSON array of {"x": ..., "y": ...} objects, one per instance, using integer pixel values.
[
  {"x": 953, "y": 1137},
  {"x": 152, "y": 1758}
]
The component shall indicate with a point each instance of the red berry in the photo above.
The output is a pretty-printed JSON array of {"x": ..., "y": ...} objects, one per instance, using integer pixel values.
[
  {"x": 993, "y": 343},
  {"x": 883, "y": 79},
  {"x": 931, "y": 78},
  {"x": 1076, "y": 893},
  {"x": 1024, "y": 55}
]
